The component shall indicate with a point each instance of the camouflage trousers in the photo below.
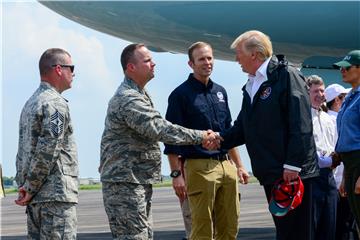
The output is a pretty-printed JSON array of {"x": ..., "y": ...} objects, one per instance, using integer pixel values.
[
  {"x": 185, "y": 210},
  {"x": 51, "y": 220},
  {"x": 128, "y": 207}
]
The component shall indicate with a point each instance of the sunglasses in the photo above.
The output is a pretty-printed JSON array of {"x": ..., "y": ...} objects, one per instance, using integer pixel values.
[
  {"x": 348, "y": 68},
  {"x": 345, "y": 68},
  {"x": 72, "y": 67}
]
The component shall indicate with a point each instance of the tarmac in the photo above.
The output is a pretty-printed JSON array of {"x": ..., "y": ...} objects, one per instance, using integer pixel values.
[{"x": 255, "y": 220}]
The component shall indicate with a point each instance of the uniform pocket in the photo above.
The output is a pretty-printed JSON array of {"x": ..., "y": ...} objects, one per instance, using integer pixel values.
[
  {"x": 58, "y": 227},
  {"x": 69, "y": 164},
  {"x": 63, "y": 221},
  {"x": 194, "y": 193},
  {"x": 150, "y": 155}
]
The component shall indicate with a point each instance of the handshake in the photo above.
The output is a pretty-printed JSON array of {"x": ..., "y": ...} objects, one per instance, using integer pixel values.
[{"x": 211, "y": 140}]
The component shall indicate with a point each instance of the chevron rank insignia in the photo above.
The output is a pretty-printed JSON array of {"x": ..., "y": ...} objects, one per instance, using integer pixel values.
[{"x": 57, "y": 123}]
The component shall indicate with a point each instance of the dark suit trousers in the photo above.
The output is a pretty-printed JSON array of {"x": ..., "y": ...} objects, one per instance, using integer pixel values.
[{"x": 298, "y": 224}]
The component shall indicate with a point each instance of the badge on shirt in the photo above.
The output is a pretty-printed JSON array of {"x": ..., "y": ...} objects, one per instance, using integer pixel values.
[
  {"x": 265, "y": 93},
  {"x": 220, "y": 96},
  {"x": 57, "y": 123}
]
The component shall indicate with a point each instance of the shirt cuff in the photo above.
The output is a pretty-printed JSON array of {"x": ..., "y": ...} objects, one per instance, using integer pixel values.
[
  {"x": 292, "y": 168},
  {"x": 199, "y": 137},
  {"x": 29, "y": 188},
  {"x": 324, "y": 161}
]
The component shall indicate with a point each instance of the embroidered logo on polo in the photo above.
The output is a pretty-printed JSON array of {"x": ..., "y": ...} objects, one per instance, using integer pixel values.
[
  {"x": 220, "y": 96},
  {"x": 57, "y": 123},
  {"x": 265, "y": 93}
]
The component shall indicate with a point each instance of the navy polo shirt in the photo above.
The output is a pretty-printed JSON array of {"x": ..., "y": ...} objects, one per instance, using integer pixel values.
[{"x": 196, "y": 106}]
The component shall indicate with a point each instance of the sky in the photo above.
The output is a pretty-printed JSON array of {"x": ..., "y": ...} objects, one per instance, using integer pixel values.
[{"x": 29, "y": 28}]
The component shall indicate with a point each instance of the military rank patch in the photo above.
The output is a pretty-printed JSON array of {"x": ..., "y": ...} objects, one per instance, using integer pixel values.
[{"x": 57, "y": 123}]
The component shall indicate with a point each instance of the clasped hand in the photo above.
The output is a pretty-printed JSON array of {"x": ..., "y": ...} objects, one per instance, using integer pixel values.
[
  {"x": 23, "y": 197},
  {"x": 211, "y": 140},
  {"x": 336, "y": 160}
]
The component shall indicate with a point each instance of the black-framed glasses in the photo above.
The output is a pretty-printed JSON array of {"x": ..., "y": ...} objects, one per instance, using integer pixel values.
[{"x": 72, "y": 67}]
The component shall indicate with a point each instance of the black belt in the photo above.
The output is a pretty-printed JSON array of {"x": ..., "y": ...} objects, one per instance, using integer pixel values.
[{"x": 220, "y": 157}]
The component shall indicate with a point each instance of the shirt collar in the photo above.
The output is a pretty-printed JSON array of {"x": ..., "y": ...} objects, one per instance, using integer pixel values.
[
  {"x": 199, "y": 85},
  {"x": 47, "y": 85},
  {"x": 355, "y": 90},
  {"x": 315, "y": 111},
  {"x": 333, "y": 113},
  {"x": 261, "y": 71},
  {"x": 133, "y": 84}
]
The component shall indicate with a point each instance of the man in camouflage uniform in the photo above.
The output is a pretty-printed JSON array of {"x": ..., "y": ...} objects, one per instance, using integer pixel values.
[
  {"x": 130, "y": 154},
  {"x": 46, "y": 162}
]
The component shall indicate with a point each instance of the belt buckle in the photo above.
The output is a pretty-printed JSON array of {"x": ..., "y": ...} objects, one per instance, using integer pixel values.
[{"x": 222, "y": 157}]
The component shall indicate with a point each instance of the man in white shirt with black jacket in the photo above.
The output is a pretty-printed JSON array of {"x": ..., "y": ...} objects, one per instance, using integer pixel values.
[{"x": 275, "y": 124}]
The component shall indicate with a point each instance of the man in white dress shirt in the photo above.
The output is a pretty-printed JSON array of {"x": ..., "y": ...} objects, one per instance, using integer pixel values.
[{"x": 324, "y": 189}]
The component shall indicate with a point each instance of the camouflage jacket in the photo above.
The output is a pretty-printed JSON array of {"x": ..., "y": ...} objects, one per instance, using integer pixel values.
[
  {"x": 129, "y": 147},
  {"x": 46, "y": 162}
]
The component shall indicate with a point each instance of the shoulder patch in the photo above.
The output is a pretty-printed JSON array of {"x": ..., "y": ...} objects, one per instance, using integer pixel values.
[{"x": 57, "y": 123}]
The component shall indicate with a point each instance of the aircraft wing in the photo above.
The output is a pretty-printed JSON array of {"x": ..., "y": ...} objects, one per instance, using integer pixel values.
[{"x": 300, "y": 30}]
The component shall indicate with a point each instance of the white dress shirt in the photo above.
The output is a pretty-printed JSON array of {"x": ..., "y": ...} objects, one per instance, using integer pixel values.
[
  {"x": 338, "y": 173},
  {"x": 254, "y": 82},
  {"x": 324, "y": 135},
  {"x": 333, "y": 115}
]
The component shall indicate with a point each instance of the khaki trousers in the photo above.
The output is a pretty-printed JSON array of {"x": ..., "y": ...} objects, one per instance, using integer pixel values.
[{"x": 212, "y": 189}]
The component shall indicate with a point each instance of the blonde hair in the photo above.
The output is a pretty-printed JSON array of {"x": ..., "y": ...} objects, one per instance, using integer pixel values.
[{"x": 255, "y": 41}]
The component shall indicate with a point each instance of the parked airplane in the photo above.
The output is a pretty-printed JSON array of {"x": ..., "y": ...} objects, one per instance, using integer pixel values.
[{"x": 310, "y": 34}]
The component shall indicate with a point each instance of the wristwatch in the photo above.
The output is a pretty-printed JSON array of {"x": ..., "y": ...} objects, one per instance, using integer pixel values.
[{"x": 175, "y": 173}]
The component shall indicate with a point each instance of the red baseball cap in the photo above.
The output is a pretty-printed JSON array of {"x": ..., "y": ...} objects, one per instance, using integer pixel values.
[{"x": 285, "y": 196}]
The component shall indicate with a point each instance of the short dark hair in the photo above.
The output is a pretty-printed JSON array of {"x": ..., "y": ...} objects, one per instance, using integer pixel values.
[
  {"x": 330, "y": 104},
  {"x": 195, "y": 46},
  {"x": 51, "y": 57},
  {"x": 127, "y": 54}
]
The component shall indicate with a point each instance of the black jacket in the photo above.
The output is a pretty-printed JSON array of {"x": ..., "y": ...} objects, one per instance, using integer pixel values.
[{"x": 277, "y": 126}]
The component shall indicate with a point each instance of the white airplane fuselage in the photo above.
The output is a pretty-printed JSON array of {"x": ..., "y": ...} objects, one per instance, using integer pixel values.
[{"x": 311, "y": 34}]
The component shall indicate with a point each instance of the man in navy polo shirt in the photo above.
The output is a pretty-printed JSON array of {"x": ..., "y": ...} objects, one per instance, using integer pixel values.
[{"x": 211, "y": 176}]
